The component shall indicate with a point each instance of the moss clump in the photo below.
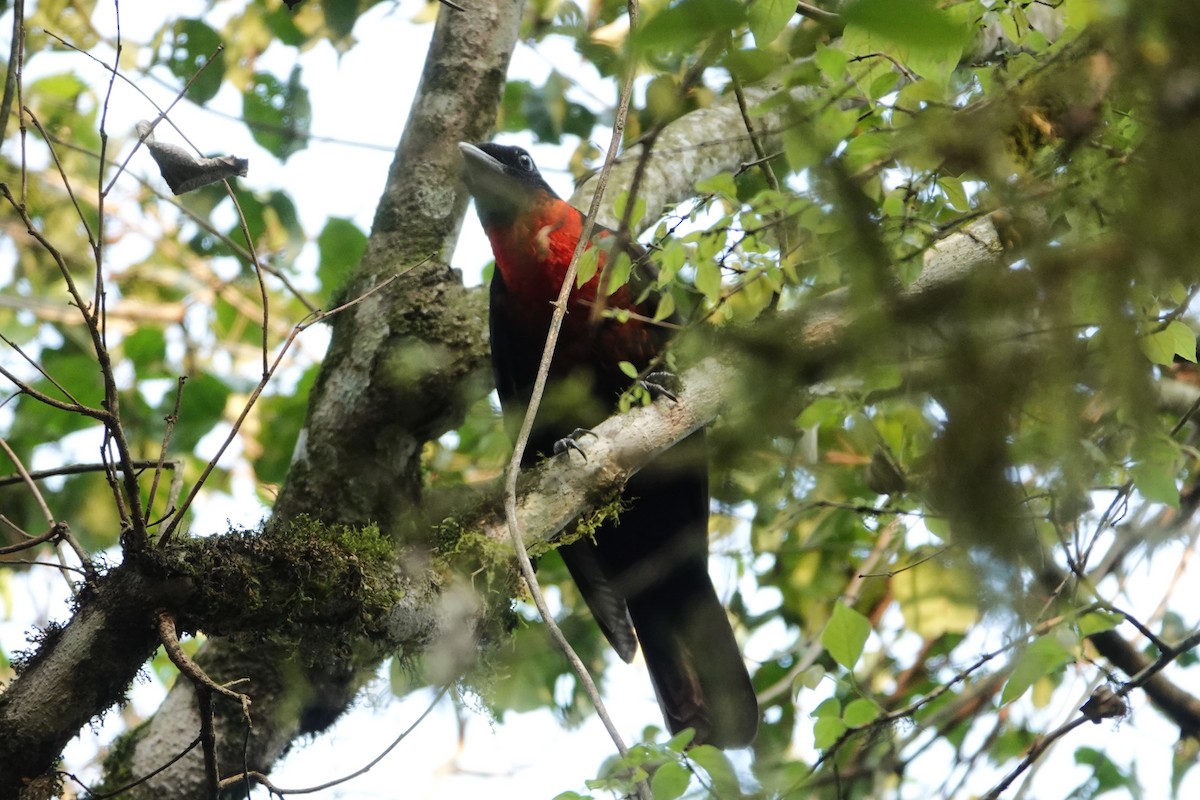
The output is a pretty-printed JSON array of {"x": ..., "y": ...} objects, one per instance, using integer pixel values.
[
  {"x": 290, "y": 579},
  {"x": 607, "y": 509}
]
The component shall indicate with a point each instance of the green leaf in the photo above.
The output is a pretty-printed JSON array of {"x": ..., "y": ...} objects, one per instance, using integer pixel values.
[
  {"x": 1098, "y": 622},
  {"x": 845, "y": 635},
  {"x": 1040, "y": 659},
  {"x": 277, "y": 113},
  {"x": 680, "y": 741},
  {"x": 936, "y": 597},
  {"x": 956, "y": 195},
  {"x": 618, "y": 271},
  {"x": 724, "y": 782},
  {"x": 708, "y": 280},
  {"x": 587, "y": 266},
  {"x": 341, "y": 245},
  {"x": 1156, "y": 463},
  {"x": 826, "y": 731},
  {"x": 1106, "y": 775},
  {"x": 283, "y": 415},
  {"x": 666, "y": 307},
  {"x": 919, "y": 24},
  {"x": 721, "y": 184},
  {"x": 670, "y": 781},
  {"x": 629, "y": 369},
  {"x": 832, "y": 61},
  {"x": 546, "y": 110},
  {"x": 1162, "y": 346},
  {"x": 192, "y": 43},
  {"x": 687, "y": 23},
  {"x": 1185, "y": 756},
  {"x": 201, "y": 407},
  {"x": 146, "y": 348},
  {"x": 750, "y": 65},
  {"x": 768, "y": 18},
  {"x": 860, "y": 712},
  {"x": 639, "y": 208},
  {"x": 1184, "y": 340}
]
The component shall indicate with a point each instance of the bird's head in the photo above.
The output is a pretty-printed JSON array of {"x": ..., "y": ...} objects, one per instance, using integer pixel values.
[{"x": 503, "y": 180}]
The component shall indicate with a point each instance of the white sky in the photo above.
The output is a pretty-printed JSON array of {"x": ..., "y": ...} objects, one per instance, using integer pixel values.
[{"x": 529, "y": 755}]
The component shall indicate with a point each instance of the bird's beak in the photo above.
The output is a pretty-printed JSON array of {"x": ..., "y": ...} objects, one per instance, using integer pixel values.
[{"x": 475, "y": 157}]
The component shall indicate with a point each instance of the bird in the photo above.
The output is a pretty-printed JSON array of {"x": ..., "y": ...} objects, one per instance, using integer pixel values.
[{"x": 644, "y": 577}]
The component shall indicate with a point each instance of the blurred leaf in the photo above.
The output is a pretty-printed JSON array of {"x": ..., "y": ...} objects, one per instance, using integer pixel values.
[
  {"x": 545, "y": 110},
  {"x": 341, "y": 245},
  {"x": 936, "y": 598},
  {"x": 1042, "y": 657},
  {"x": 1106, "y": 775},
  {"x": 860, "y": 712},
  {"x": 670, "y": 781},
  {"x": 826, "y": 732},
  {"x": 768, "y": 18},
  {"x": 283, "y": 416},
  {"x": 722, "y": 777},
  {"x": 751, "y": 65},
  {"x": 1176, "y": 339},
  {"x": 913, "y": 23},
  {"x": 1184, "y": 758},
  {"x": 201, "y": 407},
  {"x": 278, "y": 114},
  {"x": 192, "y": 43},
  {"x": 1098, "y": 622},
  {"x": 1156, "y": 465},
  {"x": 147, "y": 349},
  {"x": 687, "y": 23}
]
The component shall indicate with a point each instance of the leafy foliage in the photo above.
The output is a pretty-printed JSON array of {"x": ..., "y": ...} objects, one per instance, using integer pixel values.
[{"x": 929, "y": 517}]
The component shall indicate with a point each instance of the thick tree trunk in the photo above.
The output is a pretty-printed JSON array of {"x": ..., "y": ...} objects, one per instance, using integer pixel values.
[{"x": 400, "y": 369}]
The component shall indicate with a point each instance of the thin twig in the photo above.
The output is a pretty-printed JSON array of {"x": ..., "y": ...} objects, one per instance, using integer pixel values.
[
  {"x": 248, "y": 775},
  {"x": 815, "y": 12},
  {"x": 122, "y": 790},
  {"x": 98, "y": 244},
  {"x": 539, "y": 386},
  {"x": 62, "y": 173},
  {"x": 49, "y": 535},
  {"x": 258, "y": 273},
  {"x": 171, "y": 420},
  {"x": 300, "y": 327},
  {"x": 11, "y": 72},
  {"x": 111, "y": 413},
  {"x": 82, "y": 469},
  {"x": 33, "y": 363},
  {"x": 28, "y": 480},
  {"x": 190, "y": 669}
]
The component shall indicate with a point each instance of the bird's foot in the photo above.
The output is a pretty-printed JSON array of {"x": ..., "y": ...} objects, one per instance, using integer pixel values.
[
  {"x": 571, "y": 442},
  {"x": 662, "y": 383}
]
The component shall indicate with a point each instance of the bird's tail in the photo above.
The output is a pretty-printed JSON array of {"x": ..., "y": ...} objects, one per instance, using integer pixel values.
[{"x": 694, "y": 660}]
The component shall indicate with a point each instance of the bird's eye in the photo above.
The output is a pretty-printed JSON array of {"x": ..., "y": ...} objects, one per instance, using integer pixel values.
[{"x": 525, "y": 161}]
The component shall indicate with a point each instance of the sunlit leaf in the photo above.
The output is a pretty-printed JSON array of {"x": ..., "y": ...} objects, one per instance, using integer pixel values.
[
  {"x": 722, "y": 777},
  {"x": 670, "y": 781},
  {"x": 845, "y": 635}
]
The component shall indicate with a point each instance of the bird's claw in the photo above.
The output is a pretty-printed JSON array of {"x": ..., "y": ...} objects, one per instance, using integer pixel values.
[
  {"x": 571, "y": 442},
  {"x": 662, "y": 383}
]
